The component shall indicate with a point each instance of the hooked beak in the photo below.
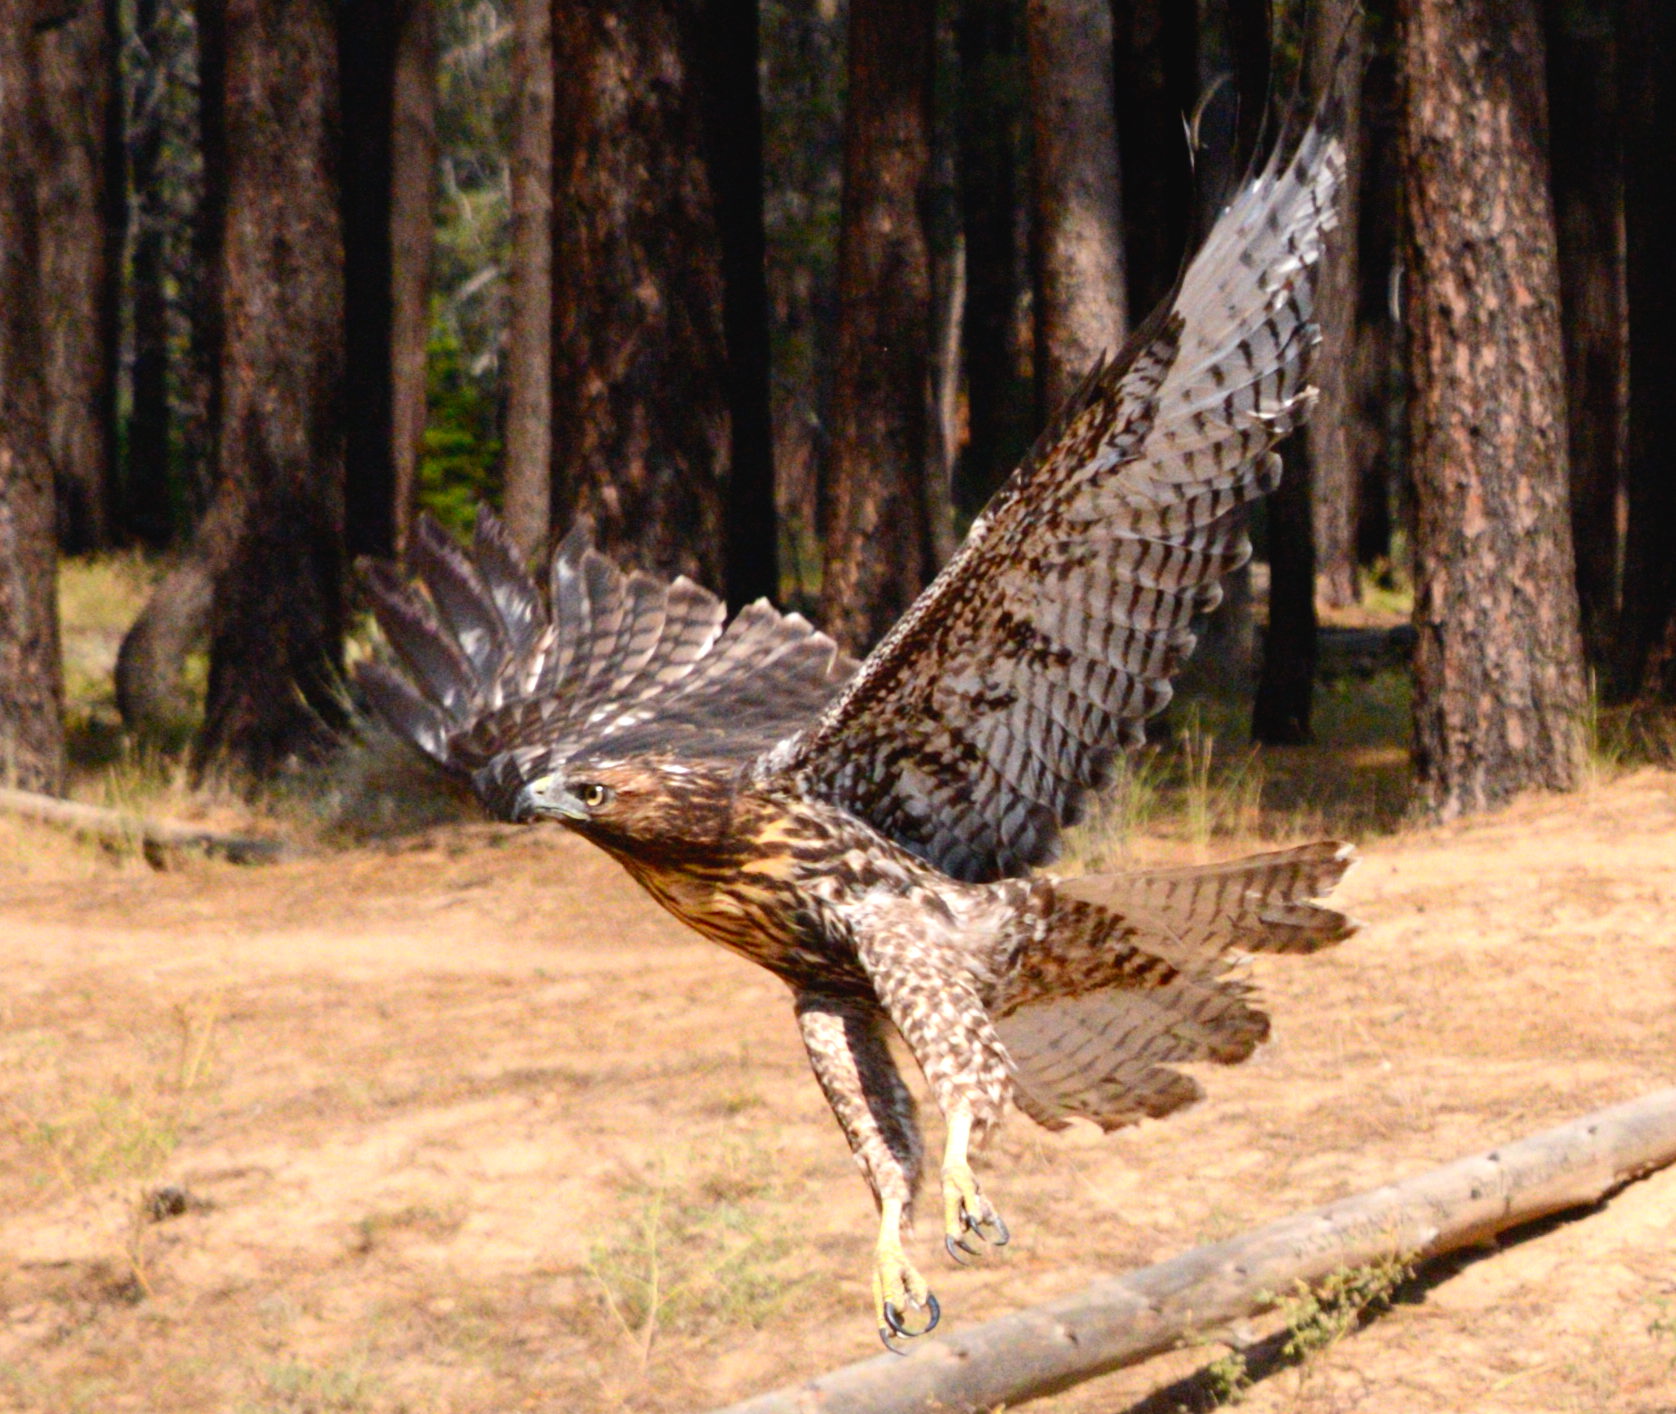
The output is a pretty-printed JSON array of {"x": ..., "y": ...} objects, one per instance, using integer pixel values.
[{"x": 546, "y": 798}]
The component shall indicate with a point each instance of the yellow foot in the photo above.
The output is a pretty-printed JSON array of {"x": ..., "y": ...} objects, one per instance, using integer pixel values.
[
  {"x": 967, "y": 1212},
  {"x": 899, "y": 1291}
]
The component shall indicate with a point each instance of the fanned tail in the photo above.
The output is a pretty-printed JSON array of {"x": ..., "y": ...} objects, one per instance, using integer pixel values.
[{"x": 1130, "y": 978}]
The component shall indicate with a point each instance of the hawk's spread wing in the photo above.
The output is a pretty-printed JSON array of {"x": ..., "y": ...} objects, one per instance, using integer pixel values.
[
  {"x": 973, "y": 732},
  {"x": 504, "y": 683}
]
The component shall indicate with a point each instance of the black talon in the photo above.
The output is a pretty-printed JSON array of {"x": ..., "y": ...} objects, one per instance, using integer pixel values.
[
  {"x": 954, "y": 1247},
  {"x": 893, "y": 1323},
  {"x": 1002, "y": 1236}
]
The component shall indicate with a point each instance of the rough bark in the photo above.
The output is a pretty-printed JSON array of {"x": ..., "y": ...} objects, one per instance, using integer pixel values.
[
  {"x": 1318, "y": 468},
  {"x": 527, "y": 483},
  {"x": 640, "y": 408},
  {"x": 989, "y": 139},
  {"x": 1646, "y": 650},
  {"x": 278, "y": 616},
  {"x": 81, "y": 214},
  {"x": 412, "y": 220},
  {"x": 1498, "y": 661},
  {"x": 145, "y": 499},
  {"x": 878, "y": 549},
  {"x": 1122, "y": 1320},
  {"x": 31, "y": 686},
  {"x": 1334, "y": 472},
  {"x": 1588, "y": 219},
  {"x": 1081, "y": 306}
]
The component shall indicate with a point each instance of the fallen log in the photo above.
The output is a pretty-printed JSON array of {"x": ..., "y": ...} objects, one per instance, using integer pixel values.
[
  {"x": 1122, "y": 1320},
  {"x": 120, "y": 826}
]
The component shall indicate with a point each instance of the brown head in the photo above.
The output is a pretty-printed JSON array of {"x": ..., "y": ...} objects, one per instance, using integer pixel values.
[{"x": 655, "y": 811}]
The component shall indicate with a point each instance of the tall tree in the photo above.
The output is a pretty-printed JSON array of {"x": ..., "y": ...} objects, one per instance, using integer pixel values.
[
  {"x": 275, "y": 535},
  {"x": 1498, "y": 665},
  {"x": 527, "y": 485},
  {"x": 1081, "y": 307},
  {"x": 640, "y": 378},
  {"x": 1588, "y": 217},
  {"x": 387, "y": 61},
  {"x": 146, "y": 511},
  {"x": 413, "y": 159},
  {"x": 31, "y": 686},
  {"x": 878, "y": 544},
  {"x": 1334, "y": 473},
  {"x": 1318, "y": 474},
  {"x": 82, "y": 210},
  {"x": 990, "y": 139},
  {"x": 1646, "y": 656}
]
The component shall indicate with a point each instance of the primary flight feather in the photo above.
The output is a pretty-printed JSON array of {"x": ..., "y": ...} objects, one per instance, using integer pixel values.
[{"x": 866, "y": 831}]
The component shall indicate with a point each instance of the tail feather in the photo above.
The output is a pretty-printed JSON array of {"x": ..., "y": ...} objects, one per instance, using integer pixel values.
[
  {"x": 1258, "y": 904},
  {"x": 1109, "y": 1056},
  {"x": 1126, "y": 975}
]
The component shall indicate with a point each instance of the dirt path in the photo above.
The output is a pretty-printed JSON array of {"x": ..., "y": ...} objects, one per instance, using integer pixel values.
[{"x": 470, "y": 1125}]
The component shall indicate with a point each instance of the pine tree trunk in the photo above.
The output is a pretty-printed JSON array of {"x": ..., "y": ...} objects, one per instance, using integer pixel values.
[
  {"x": 1081, "y": 307},
  {"x": 31, "y": 687},
  {"x": 412, "y": 220},
  {"x": 1334, "y": 473},
  {"x": 990, "y": 135},
  {"x": 278, "y": 616},
  {"x": 81, "y": 213},
  {"x": 527, "y": 486},
  {"x": 1646, "y": 649},
  {"x": 640, "y": 414},
  {"x": 1588, "y": 209},
  {"x": 1498, "y": 665},
  {"x": 878, "y": 551},
  {"x": 145, "y": 499}
]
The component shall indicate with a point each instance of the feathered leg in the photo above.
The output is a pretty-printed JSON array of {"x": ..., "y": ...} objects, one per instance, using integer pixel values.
[
  {"x": 846, "y": 1043},
  {"x": 927, "y": 990}
]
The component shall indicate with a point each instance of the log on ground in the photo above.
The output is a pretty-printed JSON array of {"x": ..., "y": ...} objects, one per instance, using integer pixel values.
[
  {"x": 152, "y": 834},
  {"x": 1123, "y": 1320}
]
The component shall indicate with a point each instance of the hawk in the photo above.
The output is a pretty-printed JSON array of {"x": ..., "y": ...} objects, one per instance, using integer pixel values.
[{"x": 867, "y": 832}]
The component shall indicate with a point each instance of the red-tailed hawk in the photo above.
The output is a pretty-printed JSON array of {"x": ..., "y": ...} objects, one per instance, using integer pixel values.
[{"x": 867, "y": 832}]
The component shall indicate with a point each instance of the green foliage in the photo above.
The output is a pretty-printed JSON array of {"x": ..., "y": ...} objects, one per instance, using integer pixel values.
[
  {"x": 458, "y": 463},
  {"x": 1318, "y": 1317}
]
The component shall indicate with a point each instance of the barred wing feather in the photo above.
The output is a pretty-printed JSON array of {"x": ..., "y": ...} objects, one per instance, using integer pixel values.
[
  {"x": 974, "y": 731},
  {"x": 503, "y": 683}
]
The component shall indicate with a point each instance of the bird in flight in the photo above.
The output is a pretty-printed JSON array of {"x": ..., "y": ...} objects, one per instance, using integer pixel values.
[{"x": 867, "y": 832}]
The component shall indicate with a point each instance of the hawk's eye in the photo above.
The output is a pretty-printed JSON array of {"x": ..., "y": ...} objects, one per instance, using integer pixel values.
[{"x": 592, "y": 794}]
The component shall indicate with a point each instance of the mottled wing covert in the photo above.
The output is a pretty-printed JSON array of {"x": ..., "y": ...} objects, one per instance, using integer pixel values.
[
  {"x": 973, "y": 732},
  {"x": 499, "y": 683}
]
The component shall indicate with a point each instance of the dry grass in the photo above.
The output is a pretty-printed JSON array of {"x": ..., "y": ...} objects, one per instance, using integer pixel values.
[{"x": 465, "y": 1123}]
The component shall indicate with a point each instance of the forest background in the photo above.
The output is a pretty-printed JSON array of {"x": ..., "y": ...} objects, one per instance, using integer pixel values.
[{"x": 776, "y": 293}]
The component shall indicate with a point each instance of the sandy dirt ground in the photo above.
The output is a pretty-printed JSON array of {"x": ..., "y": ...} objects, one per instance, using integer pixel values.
[{"x": 466, "y": 1123}]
